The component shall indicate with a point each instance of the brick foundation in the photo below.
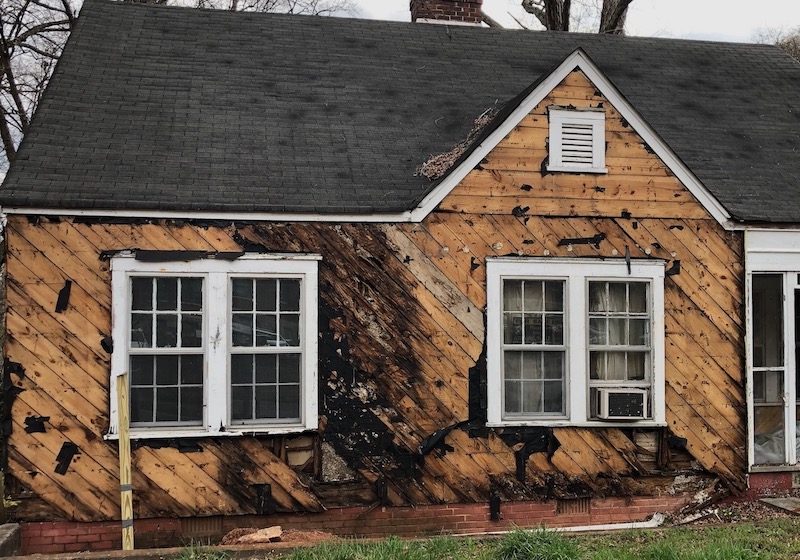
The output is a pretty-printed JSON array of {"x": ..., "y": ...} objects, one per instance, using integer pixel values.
[{"x": 67, "y": 536}]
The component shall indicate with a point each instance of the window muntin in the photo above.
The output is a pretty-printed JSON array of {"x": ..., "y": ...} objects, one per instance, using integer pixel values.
[
  {"x": 175, "y": 321},
  {"x": 534, "y": 356},
  {"x": 627, "y": 346},
  {"x": 577, "y": 140}
]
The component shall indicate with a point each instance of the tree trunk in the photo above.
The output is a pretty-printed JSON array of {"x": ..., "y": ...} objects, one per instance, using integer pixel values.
[{"x": 612, "y": 17}]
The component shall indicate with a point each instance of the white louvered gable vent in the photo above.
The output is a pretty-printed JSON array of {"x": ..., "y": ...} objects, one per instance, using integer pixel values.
[{"x": 577, "y": 141}]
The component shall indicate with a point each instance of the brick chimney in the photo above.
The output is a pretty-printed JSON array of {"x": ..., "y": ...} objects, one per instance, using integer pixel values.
[{"x": 452, "y": 12}]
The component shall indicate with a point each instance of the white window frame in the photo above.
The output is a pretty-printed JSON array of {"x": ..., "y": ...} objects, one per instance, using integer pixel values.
[
  {"x": 577, "y": 273},
  {"x": 217, "y": 275},
  {"x": 594, "y": 118}
]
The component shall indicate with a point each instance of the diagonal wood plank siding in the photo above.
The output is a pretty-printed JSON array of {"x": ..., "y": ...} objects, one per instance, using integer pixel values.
[{"x": 401, "y": 346}]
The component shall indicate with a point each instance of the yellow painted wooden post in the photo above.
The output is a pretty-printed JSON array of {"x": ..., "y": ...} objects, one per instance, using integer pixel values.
[{"x": 125, "y": 488}]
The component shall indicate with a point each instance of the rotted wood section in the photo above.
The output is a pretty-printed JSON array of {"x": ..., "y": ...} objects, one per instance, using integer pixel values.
[{"x": 402, "y": 356}]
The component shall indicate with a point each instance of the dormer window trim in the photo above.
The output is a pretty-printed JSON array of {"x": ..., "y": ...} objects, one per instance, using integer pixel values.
[{"x": 577, "y": 140}]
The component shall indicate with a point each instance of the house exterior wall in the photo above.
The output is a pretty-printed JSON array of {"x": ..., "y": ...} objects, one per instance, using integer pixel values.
[{"x": 402, "y": 350}]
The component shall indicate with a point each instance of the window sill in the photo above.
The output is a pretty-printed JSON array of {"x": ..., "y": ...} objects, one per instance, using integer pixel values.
[
  {"x": 773, "y": 468},
  {"x": 587, "y": 424},
  {"x": 173, "y": 433},
  {"x": 567, "y": 169}
]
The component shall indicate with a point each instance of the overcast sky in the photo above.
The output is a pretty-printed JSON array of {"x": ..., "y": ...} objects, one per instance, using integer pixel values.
[{"x": 717, "y": 20}]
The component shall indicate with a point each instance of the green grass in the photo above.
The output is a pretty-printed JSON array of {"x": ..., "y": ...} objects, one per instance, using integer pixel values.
[{"x": 778, "y": 540}]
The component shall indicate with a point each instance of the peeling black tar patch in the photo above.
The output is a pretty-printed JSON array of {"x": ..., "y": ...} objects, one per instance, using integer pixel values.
[
  {"x": 107, "y": 344},
  {"x": 526, "y": 188},
  {"x": 182, "y": 445},
  {"x": 35, "y": 424},
  {"x": 477, "y": 395},
  {"x": 534, "y": 440},
  {"x": 15, "y": 368},
  {"x": 64, "y": 457},
  {"x": 353, "y": 429},
  {"x": 594, "y": 241},
  {"x": 248, "y": 245},
  {"x": 63, "y": 297},
  {"x": 520, "y": 211},
  {"x": 675, "y": 269},
  {"x": 473, "y": 264}
]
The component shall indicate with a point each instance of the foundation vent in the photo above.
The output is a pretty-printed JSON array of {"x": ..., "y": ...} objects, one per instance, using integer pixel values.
[{"x": 571, "y": 507}]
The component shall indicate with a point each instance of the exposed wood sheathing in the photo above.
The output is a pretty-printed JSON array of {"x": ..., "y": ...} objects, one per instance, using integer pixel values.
[{"x": 401, "y": 344}]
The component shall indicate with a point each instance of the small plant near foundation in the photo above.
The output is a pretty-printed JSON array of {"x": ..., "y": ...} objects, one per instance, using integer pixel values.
[
  {"x": 196, "y": 551},
  {"x": 538, "y": 544}
]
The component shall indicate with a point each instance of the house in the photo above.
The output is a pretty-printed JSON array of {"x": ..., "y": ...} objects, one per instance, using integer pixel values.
[{"x": 379, "y": 277}]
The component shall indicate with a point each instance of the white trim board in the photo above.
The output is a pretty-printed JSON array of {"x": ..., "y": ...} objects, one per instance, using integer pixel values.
[{"x": 577, "y": 60}]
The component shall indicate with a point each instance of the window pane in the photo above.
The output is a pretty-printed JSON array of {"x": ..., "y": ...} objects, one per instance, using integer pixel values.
[
  {"x": 513, "y": 365},
  {"x": 512, "y": 328},
  {"x": 617, "y": 297},
  {"x": 266, "y": 294},
  {"x": 242, "y": 297},
  {"x": 142, "y": 294},
  {"x": 554, "y": 296},
  {"x": 767, "y": 320},
  {"x": 191, "y": 404},
  {"x": 534, "y": 298},
  {"x": 554, "y": 329},
  {"x": 553, "y": 365},
  {"x": 533, "y": 329},
  {"x": 266, "y": 402},
  {"x": 141, "y": 330},
  {"x": 266, "y": 368},
  {"x": 289, "y": 368},
  {"x": 192, "y": 331},
  {"x": 289, "y": 402},
  {"x": 242, "y": 329},
  {"x": 513, "y": 402},
  {"x": 191, "y": 294},
  {"x": 637, "y": 366},
  {"x": 597, "y": 331},
  {"x": 554, "y": 397},
  {"x": 266, "y": 330},
  {"x": 166, "y": 370},
  {"x": 241, "y": 369},
  {"x": 192, "y": 370},
  {"x": 166, "y": 294},
  {"x": 512, "y": 295},
  {"x": 532, "y": 396},
  {"x": 166, "y": 331},
  {"x": 616, "y": 332},
  {"x": 597, "y": 365},
  {"x": 637, "y": 298},
  {"x": 638, "y": 332},
  {"x": 532, "y": 365},
  {"x": 615, "y": 366},
  {"x": 242, "y": 403},
  {"x": 597, "y": 296},
  {"x": 167, "y": 404},
  {"x": 141, "y": 404},
  {"x": 290, "y": 295},
  {"x": 141, "y": 370}
]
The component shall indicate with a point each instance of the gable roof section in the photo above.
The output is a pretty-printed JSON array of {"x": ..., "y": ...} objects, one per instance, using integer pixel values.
[
  {"x": 157, "y": 111},
  {"x": 521, "y": 106}
]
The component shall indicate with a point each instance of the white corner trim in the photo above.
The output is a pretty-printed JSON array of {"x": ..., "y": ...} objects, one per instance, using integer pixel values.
[{"x": 578, "y": 59}]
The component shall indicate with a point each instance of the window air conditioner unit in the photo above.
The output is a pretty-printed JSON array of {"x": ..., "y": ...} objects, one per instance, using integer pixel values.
[{"x": 621, "y": 404}]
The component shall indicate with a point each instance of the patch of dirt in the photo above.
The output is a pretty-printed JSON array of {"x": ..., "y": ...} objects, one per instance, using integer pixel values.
[
  {"x": 288, "y": 536},
  {"x": 731, "y": 511}
]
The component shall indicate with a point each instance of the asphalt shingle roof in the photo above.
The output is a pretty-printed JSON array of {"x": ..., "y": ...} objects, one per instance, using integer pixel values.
[{"x": 156, "y": 108}]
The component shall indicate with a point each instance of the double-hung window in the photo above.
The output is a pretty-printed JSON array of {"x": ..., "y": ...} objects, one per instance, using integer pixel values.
[
  {"x": 575, "y": 341},
  {"x": 215, "y": 346}
]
